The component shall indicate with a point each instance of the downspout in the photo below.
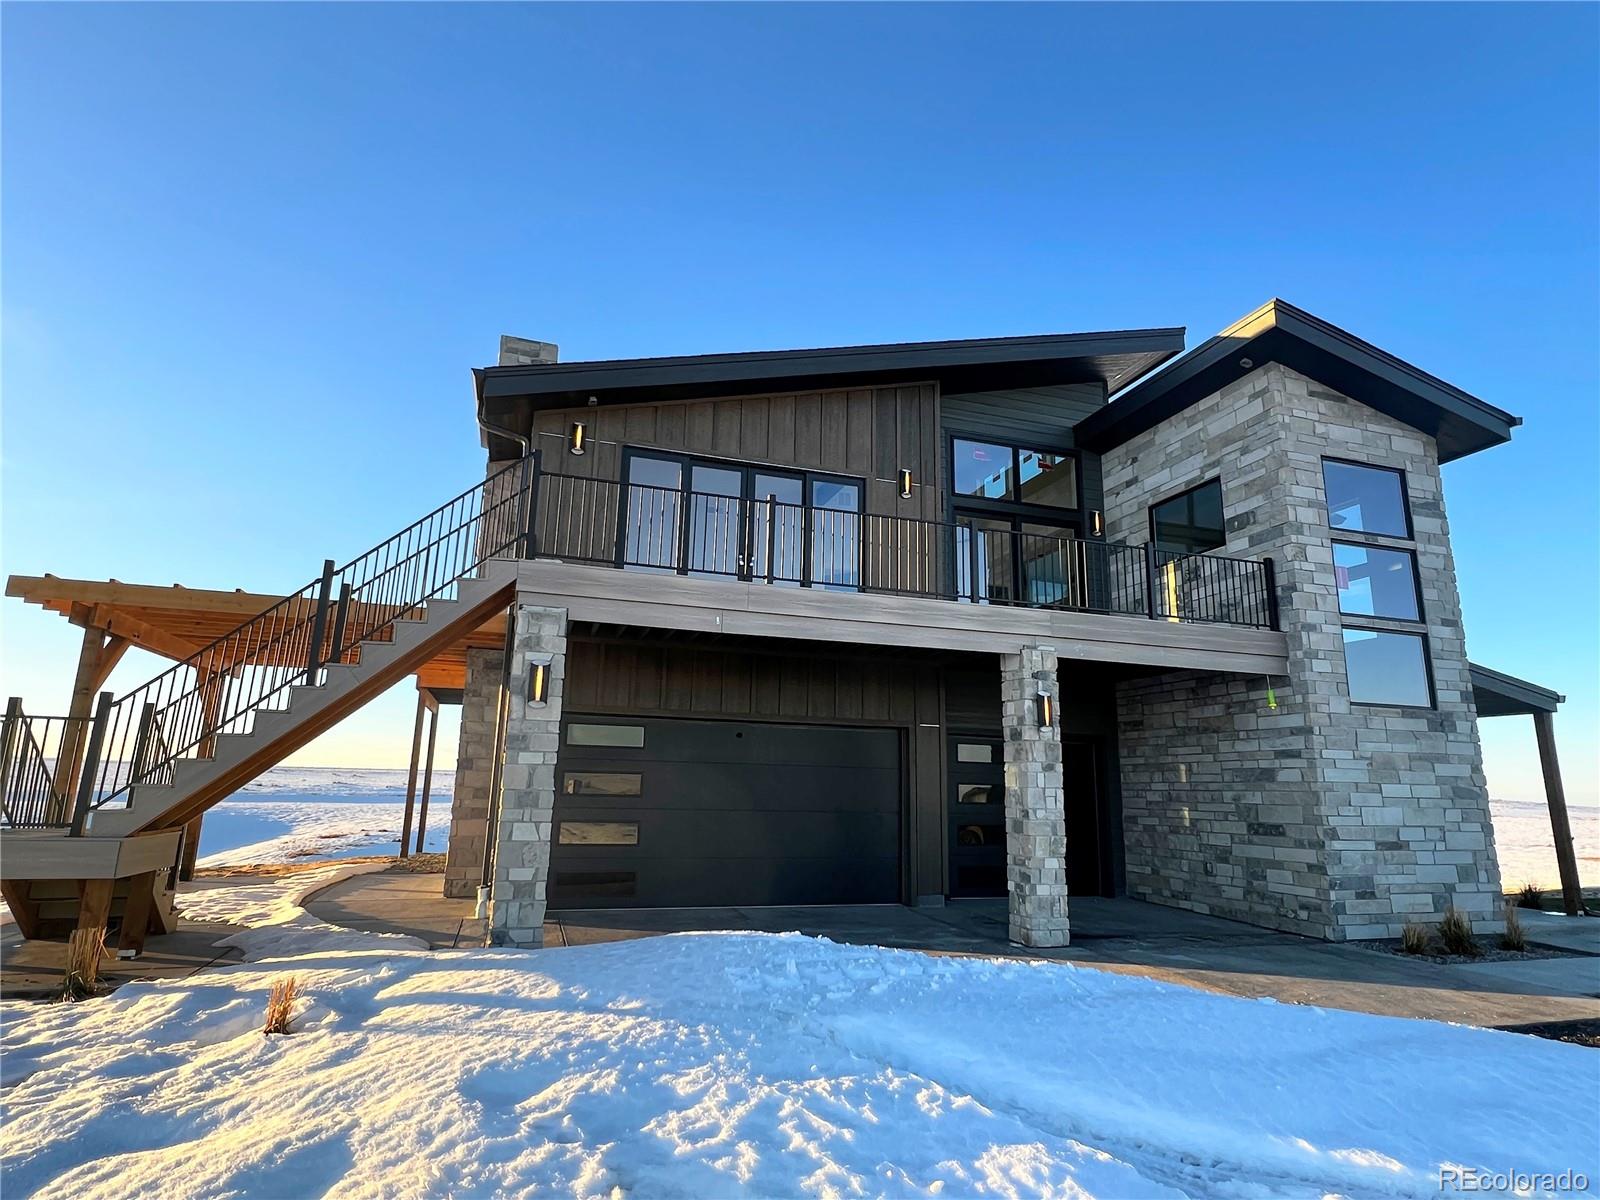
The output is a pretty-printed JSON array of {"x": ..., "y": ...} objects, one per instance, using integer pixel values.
[{"x": 488, "y": 426}]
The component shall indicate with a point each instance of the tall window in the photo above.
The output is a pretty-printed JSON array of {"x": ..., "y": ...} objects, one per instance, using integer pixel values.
[
  {"x": 1190, "y": 522},
  {"x": 1385, "y": 663},
  {"x": 1017, "y": 515}
]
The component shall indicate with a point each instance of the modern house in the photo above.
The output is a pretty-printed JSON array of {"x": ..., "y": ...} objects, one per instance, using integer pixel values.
[{"x": 1028, "y": 617}]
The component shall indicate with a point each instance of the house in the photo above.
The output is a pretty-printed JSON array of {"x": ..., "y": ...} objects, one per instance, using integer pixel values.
[{"x": 1030, "y": 617}]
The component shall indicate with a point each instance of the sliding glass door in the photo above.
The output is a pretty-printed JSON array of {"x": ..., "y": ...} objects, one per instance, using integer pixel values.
[{"x": 727, "y": 520}]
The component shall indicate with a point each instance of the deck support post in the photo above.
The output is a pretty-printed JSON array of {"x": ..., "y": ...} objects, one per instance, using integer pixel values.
[
  {"x": 136, "y": 915},
  {"x": 411, "y": 775},
  {"x": 427, "y": 770},
  {"x": 1555, "y": 796}
]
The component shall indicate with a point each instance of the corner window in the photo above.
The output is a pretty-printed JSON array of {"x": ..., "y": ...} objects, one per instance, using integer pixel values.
[
  {"x": 1366, "y": 499},
  {"x": 1191, "y": 522},
  {"x": 1376, "y": 582},
  {"x": 1387, "y": 668}
]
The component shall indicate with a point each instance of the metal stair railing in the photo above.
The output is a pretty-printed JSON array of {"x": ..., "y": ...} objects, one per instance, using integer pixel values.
[
  {"x": 140, "y": 737},
  {"x": 33, "y": 795}
]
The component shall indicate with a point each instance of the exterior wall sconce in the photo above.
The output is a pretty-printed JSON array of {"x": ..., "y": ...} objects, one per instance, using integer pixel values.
[
  {"x": 539, "y": 682},
  {"x": 1097, "y": 522},
  {"x": 1045, "y": 707},
  {"x": 905, "y": 484},
  {"x": 578, "y": 438}
]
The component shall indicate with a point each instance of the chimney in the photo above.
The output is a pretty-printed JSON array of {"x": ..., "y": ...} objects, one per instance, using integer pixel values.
[{"x": 521, "y": 352}]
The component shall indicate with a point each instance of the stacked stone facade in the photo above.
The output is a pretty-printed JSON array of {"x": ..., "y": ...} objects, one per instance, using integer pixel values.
[
  {"x": 1036, "y": 818},
  {"x": 469, "y": 810},
  {"x": 1319, "y": 816},
  {"x": 518, "y": 893}
]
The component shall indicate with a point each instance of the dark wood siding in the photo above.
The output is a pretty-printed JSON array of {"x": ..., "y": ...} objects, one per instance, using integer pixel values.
[{"x": 870, "y": 433}]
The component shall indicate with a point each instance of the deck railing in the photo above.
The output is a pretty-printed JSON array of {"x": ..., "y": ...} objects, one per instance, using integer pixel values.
[
  {"x": 763, "y": 540},
  {"x": 37, "y": 762}
]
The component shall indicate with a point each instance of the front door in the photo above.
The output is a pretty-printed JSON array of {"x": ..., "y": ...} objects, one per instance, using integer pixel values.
[{"x": 977, "y": 823}]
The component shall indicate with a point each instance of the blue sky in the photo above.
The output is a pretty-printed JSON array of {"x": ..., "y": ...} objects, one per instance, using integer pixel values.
[{"x": 250, "y": 252}]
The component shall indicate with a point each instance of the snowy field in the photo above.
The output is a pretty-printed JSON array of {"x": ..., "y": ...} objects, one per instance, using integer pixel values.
[
  {"x": 301, "y": 813},
  {"x": 723, "y": 1065},
  {"x": 293, "y": 814}
]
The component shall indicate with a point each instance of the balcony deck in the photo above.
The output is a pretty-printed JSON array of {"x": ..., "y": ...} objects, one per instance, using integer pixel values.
[{"x": 756, "y": 609}]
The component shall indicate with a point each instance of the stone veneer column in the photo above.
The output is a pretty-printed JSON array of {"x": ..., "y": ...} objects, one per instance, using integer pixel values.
[
  {"x": 1036, "y": 817},
  {"x": 469, "y": 808},
  {"x": 528, "y": 791}
]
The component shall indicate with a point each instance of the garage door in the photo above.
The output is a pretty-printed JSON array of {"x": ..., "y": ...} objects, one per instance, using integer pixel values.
[{"x": 669, "y": 813}]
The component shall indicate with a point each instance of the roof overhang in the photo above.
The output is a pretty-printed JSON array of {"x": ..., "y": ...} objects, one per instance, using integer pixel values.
[
  {"x": 1499, "y": 695},
  {"x": 1280, "y": 332},
  {"x": 508, "y": 396}
]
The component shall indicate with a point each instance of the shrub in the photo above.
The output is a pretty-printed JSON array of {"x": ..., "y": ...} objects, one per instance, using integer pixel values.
[
  {"x": 1455, "y": 934},
  {"x": 280, "y": 1005},
  {"x": 85, "y": 948},
  {"x": 1515, "y": 937},
  {"x": 1530, "y": 897},
  {"x": 1414, "y": 938}
]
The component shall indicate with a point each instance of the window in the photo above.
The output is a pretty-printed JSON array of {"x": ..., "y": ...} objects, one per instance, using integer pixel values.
[
  {"x": 1387, "y": 668},
  {"x": 626, "y": 736},
  {"x": 600, "y": 783},
  {"x": 1190, "y": 523},
  {"x": 598, "y": 833},
  {"x": 983, "y": 469},
  {"x": 1375, "y": 582},
  {"x": 835, "y": 534},
  {"x": 651, "y": 513},
  {"x": 1019, "y": 474},
  {"x": 974, "y": 752},
  {"x": 979, "y": 793},
  {"x": 1366, "y": 499}
]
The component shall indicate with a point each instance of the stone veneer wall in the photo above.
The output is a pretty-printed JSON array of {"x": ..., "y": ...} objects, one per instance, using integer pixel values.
[
  {"x": 469, "y": 809},
  {"x": 528, "y": 792},
  {"x": 1036, "y": 815},
  {"x": 1321, "y": 817}
]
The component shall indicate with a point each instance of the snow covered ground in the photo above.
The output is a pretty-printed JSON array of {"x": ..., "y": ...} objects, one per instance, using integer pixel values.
[
  {"x": 291, "y": 814},
  {"x": 720, "y": 1065}
]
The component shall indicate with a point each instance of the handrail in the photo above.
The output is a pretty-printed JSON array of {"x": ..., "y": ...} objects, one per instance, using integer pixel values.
[
  {"x": 761, "y": 539},
  {"x": 32, "y": 793},
  {"x": 141, "y": 735}
]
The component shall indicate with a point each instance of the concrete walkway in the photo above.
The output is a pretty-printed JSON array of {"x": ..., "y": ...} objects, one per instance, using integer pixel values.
[{"x": 1121, "y": 935}]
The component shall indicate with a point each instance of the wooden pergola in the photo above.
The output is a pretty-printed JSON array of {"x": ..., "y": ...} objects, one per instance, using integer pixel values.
[{"x": 177, "y": 622}]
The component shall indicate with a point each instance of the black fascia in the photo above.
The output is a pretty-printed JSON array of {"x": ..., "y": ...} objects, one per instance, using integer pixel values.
[{"x": 1280, "y": 332}]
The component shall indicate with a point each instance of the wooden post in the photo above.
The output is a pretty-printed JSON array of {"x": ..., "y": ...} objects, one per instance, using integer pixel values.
[
  {"x": 97, "y": 657},
  {"x": 1556, "y": 797},
  {"x": 94, "y": 906},
  {"x": 191, "y": 849},
  {"x": 427, "y": 771},
  {"x": 411, "y": 779},
  {"x": 212, "y": 684},
  {"x": 136, "y": 915}
]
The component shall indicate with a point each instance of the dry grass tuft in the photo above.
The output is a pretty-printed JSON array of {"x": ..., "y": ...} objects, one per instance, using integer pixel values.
[
  {"x": 1455, "y": 934},
  {"x": 1530, "y": 897},
  {"x": 85, "y": 949},
  {"x": 1515, "y": 937},
  {"x": 1414, "y": 938},
  {"x": 280, "y": 1005}
]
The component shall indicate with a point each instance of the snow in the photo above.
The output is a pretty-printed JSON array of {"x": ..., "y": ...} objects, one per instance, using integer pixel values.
[
  {"x": 294, "y": 814},
  {"x": 713, "y": 1065}
]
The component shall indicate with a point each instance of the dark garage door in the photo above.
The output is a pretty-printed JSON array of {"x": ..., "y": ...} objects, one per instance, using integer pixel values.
[{"x": 663, "y": 813}]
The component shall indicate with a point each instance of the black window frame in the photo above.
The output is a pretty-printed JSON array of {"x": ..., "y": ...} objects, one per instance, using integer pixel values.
[
  {"x": 1222, "y": 507},
  {"x": 1416, "y": 582},
  {"x": 1427, "y": 666},
  {"x": 688, "y": 459},
  {"x": 1039, "y": 514},
  {"x": 1410, "y": 535}
]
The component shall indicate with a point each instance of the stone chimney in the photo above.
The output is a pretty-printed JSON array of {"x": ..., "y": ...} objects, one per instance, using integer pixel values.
[{"x": 521, "y": 352}]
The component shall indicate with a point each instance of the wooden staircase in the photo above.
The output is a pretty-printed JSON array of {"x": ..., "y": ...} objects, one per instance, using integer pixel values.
[{"x": 103, "y": 843}]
